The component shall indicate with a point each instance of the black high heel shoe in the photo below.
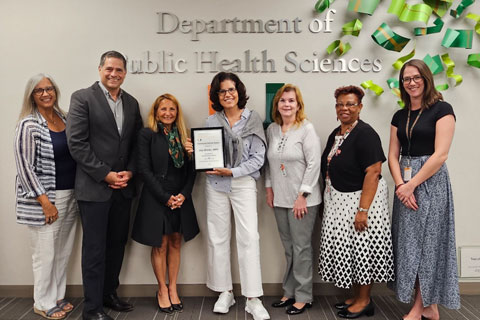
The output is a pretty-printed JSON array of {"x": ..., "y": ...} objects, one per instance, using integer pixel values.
[
  {"x": 167, "y": 310},
  {"x": 369, "y": 311},
  {"x": 178, "y": 307},
  {"x": 342, "y": 305},
  {"x": 285, "y": 303}
]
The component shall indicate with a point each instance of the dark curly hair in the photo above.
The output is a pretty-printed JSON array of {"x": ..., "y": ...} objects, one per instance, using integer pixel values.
[
  {"x": 350, "y": 89},
  {"x": 215, "y": 87}
]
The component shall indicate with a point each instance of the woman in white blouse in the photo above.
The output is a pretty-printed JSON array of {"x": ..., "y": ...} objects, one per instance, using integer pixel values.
[{"x": 293, "y": 191}]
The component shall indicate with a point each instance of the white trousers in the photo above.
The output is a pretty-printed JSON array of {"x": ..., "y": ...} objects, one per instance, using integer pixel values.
[
  {"x": 243, "y": 201},
  {"x": 51, "y": 247}
]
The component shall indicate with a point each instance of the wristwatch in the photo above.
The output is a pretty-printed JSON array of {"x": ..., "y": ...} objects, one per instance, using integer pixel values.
[
  {"x": 362, "y": 209},
  {"x": 305, "y": 194}
]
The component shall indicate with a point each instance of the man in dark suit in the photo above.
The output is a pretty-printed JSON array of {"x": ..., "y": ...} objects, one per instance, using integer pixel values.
[{"x": 102, "y": 126}]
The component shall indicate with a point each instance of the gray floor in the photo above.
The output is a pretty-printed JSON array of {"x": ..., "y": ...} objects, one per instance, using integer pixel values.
[{"x": 386, "y": 307}]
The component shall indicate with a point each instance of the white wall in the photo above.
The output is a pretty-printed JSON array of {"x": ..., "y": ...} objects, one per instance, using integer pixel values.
[{"x": 66, "y": 39}]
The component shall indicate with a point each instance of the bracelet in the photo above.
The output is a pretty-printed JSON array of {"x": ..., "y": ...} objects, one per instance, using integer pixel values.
[
  {"x": 362, "y": 209},
  {"x": 399, "y": 185}
]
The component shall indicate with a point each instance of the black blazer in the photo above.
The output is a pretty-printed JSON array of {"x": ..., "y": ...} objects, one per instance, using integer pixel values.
[
  {"x": 95, "y": 143},
  {"x": 152, "y": 168}
]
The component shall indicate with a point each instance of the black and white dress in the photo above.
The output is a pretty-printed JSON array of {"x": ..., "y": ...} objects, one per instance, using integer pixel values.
[{"x": 347, "y": 256}]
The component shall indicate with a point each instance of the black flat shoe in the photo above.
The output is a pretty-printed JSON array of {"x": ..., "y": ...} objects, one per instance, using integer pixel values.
[
  {"x": 286, "y": 303},
  {"x": 178, "y": 307},
  {"x": 341, "y": 305},
  {"x": 167, "y": 310},
  {"x": 369, "y": 311},
  {"x": 292, "y": 310},
  {"x": 425, "y": 318}
]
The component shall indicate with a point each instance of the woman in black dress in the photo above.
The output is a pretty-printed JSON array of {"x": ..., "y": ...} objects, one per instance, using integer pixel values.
[{"x": 165, "y": 211}]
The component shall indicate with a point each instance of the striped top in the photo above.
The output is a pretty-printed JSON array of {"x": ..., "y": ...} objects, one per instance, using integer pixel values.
[{"x": 35, "y": 163}]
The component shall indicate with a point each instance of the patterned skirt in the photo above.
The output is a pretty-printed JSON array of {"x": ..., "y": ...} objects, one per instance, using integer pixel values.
[
  {"x": 348, "y": 256},
  {"x": 424, "y": 241}
]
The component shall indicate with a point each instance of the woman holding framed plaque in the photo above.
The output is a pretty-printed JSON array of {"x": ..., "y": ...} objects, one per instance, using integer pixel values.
[
  {"x": 235, "y": 186},
  {"x": 165, "y": 210},
  {"x": 423, "y": 222},
  {"x": 293, "y": 191}
]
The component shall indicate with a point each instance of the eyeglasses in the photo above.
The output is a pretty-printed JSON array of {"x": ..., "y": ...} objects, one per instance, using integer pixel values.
[
  {"x": 415, "y": 79},
  {"x": 39, "y": 91},
  {"x": 224, "y": 91},
  {"x": 348, "y": 105}
]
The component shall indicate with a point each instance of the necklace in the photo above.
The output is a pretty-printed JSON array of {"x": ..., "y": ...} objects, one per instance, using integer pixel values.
[
  {"x": 52, "y": 121},
  {"x": 335, "y": 150}
]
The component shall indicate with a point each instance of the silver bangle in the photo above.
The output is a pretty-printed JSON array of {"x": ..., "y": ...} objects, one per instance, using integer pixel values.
[{"x": 362, "y": 209}]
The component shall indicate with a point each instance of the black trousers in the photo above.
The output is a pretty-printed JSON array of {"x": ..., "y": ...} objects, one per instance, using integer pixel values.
[{"x": 105, "y": 232}]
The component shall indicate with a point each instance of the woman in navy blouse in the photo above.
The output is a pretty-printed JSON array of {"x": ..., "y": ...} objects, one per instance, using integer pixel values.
[{"x": 45, "y": 197}]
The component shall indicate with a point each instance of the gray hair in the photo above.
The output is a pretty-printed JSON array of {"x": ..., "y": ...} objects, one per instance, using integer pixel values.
[{"x": 28, "y": 106}]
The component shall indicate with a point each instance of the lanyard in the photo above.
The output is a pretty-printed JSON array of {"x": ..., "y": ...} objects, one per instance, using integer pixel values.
[
  {"x": 410, "y": 132},
  {"x": 281, "y": 148},
  {"x": 335, "y": 150}
]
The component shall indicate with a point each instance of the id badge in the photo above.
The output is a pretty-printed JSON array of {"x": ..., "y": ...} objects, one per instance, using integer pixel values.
[{"x": 407, "y": 174}]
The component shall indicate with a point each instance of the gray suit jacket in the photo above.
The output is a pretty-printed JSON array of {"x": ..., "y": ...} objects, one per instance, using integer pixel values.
[{"x": 96, "y": 145}]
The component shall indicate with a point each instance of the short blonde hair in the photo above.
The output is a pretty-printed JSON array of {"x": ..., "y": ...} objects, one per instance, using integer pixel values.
[
  {"x": 300, "y": 116},
  {"x": 179, "y": 121}
]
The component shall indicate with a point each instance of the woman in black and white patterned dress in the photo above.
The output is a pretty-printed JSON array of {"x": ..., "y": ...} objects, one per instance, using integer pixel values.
[{"x": 356, "y": 245}]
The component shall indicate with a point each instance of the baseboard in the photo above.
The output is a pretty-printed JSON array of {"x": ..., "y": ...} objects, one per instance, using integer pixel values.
[{"x": 200, "y": 290}]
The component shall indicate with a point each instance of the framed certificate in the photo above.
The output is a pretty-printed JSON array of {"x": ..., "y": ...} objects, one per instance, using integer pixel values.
[{"x": 208, "y": 146}]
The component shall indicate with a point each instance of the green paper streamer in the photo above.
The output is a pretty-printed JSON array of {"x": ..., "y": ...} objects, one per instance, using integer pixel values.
[
  {"x": 270, "y": 91},
  {"x": 438, "y": 25},
  {"x": 434, "y": 63},
  {"x": 440, "y": 7},
  {"x": 352, "y": 28},
  {"x": 321, "y": 5},
  {"x": 474, "y": 60},
  {"x": 442, "y": 87},
  {"x": 476, "y": 18},
  {"x": 372, "y": 86},
  {"x": 363, "y": 6},
  {"x": 385, "y": 37},
  {"x": 339, "y": 47},
  {"x": 404, "y": 12},
  {"x": 393, "y": 84},
  {"x": 458, "y": 39},
  {"x": 400, "y": 61},
  {"x": 461, "y": 7},
  {"x": 450, "y": 66}
]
